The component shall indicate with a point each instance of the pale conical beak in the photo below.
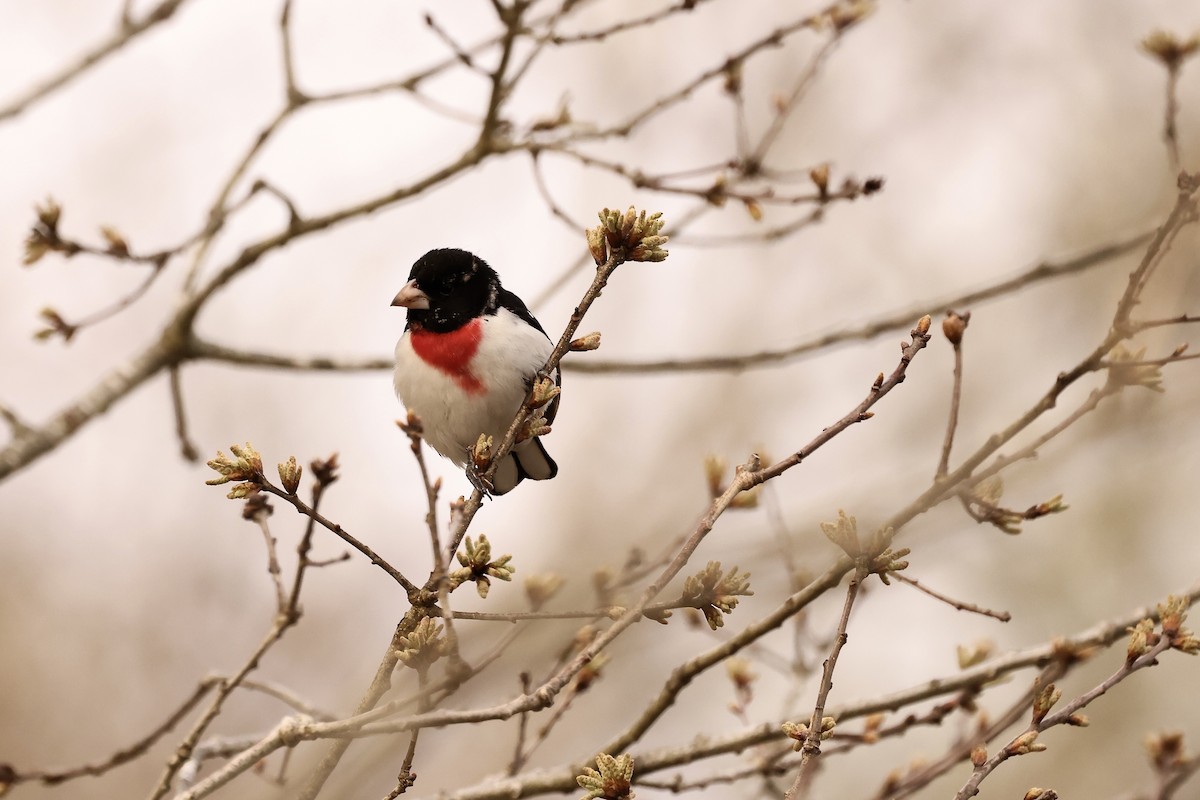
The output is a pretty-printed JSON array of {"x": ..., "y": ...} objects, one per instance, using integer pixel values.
[{"x": 411, "y": 297}]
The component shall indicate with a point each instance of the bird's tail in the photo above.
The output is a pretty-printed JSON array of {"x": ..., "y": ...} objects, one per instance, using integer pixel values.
[{"x": 530, "y": 460}]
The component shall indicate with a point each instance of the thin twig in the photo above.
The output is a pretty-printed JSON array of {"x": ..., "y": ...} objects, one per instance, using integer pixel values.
[
  {"x": 281, "y": 600},
  {"x": 1065, "y": 716},
  {"x": 518, "y": 759},
  {"x": 187, "y": 448},
  {"x": 961, "y": 605},
  {"x": 543, "y": 696},
  {"x": 960, "y": 750},
  {"x": 811, "y": 747},
  {"x": 17, "y": 426},
  {"x": 201, "y": 349},
  {"x": 224, "y": 689},
  {"x": 128, "y": 30},
  {"x": 1060, "y": 653},
  {"x": 303, "y": 562},
  {"x": 803, "y": 83},
  {"x": 295, "y": 97},
  {"x": 409, "y": 587},
  {"x": 625, "y": 25},
  {"x": 124, "y": 755},
  {"x": 1171, "y": 117},
  {"x": 510, "y": 17},
  {"x": 954, "y": 326},
  {"x": 459, "y": 53}
]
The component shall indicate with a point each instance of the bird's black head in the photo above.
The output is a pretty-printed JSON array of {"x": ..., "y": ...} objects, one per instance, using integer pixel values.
[{"x": 447, "y": 288}]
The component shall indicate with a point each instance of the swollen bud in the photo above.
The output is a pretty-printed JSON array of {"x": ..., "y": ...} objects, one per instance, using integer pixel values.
[
  {"x": 954, "y": 325},
  {"x": 289, "y": 474},
  {"x": 590, "y": 341}
]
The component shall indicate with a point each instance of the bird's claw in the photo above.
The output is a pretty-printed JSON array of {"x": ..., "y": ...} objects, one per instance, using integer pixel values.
[{"x": 479, "y": 480}]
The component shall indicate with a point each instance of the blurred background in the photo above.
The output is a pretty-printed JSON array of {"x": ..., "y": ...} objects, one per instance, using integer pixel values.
[{"x": 1008, "y": 133}]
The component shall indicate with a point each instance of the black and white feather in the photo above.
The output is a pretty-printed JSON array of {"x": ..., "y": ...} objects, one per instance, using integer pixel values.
[{"x": 468, "y": 355}]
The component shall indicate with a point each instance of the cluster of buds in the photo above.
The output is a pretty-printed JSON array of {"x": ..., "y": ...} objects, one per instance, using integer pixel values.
[
  {"x": 983, "y": 505},
  {"x": 535, "y": 425},
  {"x": 1044, "y": 700},
  {"x": 798, "y": 731},
  {"x": 630, "y": 236},
  {"x": 1171, "y": 614},
  {"x": 850, "y": 189},
  {"x": 847, "y": 13},
  {"x": 420, "y": 649},
  {"x": 715, "y": 593},
  {"x": 611, "y": 780},
  {"x": 543, "y": 393},
  {"x": 715, "y": 470},
  {"x": 1170, "y": 49},
  {"x": 1024, "y": 744},
  {"x": 478, "y": 566},
  {"x": 325, "y": 470},
  {"x": 1038, "y": 793},
  {"x": 55, "y": 326},
  {"x": 876, "y": 557},
  {"x": 544, "y": 390},
  {"x": 1124, "y": 369},
  {"x": 245, "y": 466},
  {"x": 1166, "y": 750},
  {"x": 43, "y": 237}
]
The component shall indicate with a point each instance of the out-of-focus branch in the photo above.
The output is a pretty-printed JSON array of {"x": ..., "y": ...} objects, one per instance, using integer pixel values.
[
  {"x": 1172, "y": 52},
  {"x": 202, "y": 349},
  {"x": 1066, "y": 651},
  {"x": 950, "y": 484},
  {"x": 954, "y": 326},
  {"x": 187, "y": 447},
  {"x": 128, "y": 30},
  {"x": 125, "y": 755},
  {"x": 625, "y": 25}
]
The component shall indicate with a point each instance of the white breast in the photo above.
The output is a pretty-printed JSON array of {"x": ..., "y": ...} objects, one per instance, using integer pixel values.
[{"x": 510, "y": 353}]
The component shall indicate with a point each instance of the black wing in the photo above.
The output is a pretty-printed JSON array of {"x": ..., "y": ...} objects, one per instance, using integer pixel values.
[{"x": 506, "y": 299}]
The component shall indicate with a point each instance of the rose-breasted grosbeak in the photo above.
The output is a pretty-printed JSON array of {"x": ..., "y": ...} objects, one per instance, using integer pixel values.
[{"x": 468, "y": 355}]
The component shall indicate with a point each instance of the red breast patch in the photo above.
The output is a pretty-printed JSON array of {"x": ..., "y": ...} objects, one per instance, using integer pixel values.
[{"x": 451, "y": 352}]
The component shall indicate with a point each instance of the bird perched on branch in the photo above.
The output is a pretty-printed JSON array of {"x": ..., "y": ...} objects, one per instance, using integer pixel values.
[{"x": 466, "y": 361}]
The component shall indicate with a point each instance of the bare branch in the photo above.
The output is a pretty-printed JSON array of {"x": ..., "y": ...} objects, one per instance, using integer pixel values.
[
  {"x": 187, "y": 447},
  {"x": 125, "y": 755},
  {"x": 128, "y": 30},
  {"x": 960, "y": 605}
]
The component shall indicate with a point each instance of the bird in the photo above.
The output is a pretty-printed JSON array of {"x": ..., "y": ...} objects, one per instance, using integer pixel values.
[{"x": 468, "y": 356}]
